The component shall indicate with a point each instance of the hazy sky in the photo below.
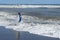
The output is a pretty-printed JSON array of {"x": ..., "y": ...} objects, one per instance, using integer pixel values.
[{"x": 29, "y": 1}]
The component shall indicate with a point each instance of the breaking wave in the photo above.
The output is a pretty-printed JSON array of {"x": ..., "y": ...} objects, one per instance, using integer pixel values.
[{"x": 32, "y": 24}]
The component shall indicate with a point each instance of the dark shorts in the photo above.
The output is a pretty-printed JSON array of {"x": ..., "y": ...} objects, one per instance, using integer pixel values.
[{"x": 20, "y": 19}]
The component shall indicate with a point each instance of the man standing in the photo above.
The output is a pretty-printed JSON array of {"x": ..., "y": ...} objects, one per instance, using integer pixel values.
[{"x": 19, "y": 17}]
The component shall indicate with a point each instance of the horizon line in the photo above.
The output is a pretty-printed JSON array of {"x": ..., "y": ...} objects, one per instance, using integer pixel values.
[{"x": 29, "y": 4}]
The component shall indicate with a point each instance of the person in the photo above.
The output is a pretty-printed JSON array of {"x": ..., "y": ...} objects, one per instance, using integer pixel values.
[{"x": 19, "y": 17}]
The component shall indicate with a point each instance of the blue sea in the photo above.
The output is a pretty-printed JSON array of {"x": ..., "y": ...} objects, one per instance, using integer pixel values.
[{"x": 36, "y": 22}]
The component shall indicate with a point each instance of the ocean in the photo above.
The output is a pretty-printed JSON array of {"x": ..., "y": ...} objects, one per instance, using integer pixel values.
[{"x": 40, "y": 21}]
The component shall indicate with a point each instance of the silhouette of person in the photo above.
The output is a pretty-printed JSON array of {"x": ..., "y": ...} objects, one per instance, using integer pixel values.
[{"x": 19, "y": 17}]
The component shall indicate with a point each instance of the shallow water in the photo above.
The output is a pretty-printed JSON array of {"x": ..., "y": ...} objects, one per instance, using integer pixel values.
[{"x": 44, "y": 22}]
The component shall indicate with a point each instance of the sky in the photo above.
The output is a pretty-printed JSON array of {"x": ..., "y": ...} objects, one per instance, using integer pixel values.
[{"x": 29, "y": 1}]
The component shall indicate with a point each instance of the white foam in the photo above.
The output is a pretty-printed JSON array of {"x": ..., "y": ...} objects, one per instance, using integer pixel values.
[
  {"x": 28, "y": 24},
  {"x": 29, "y": 6}
]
